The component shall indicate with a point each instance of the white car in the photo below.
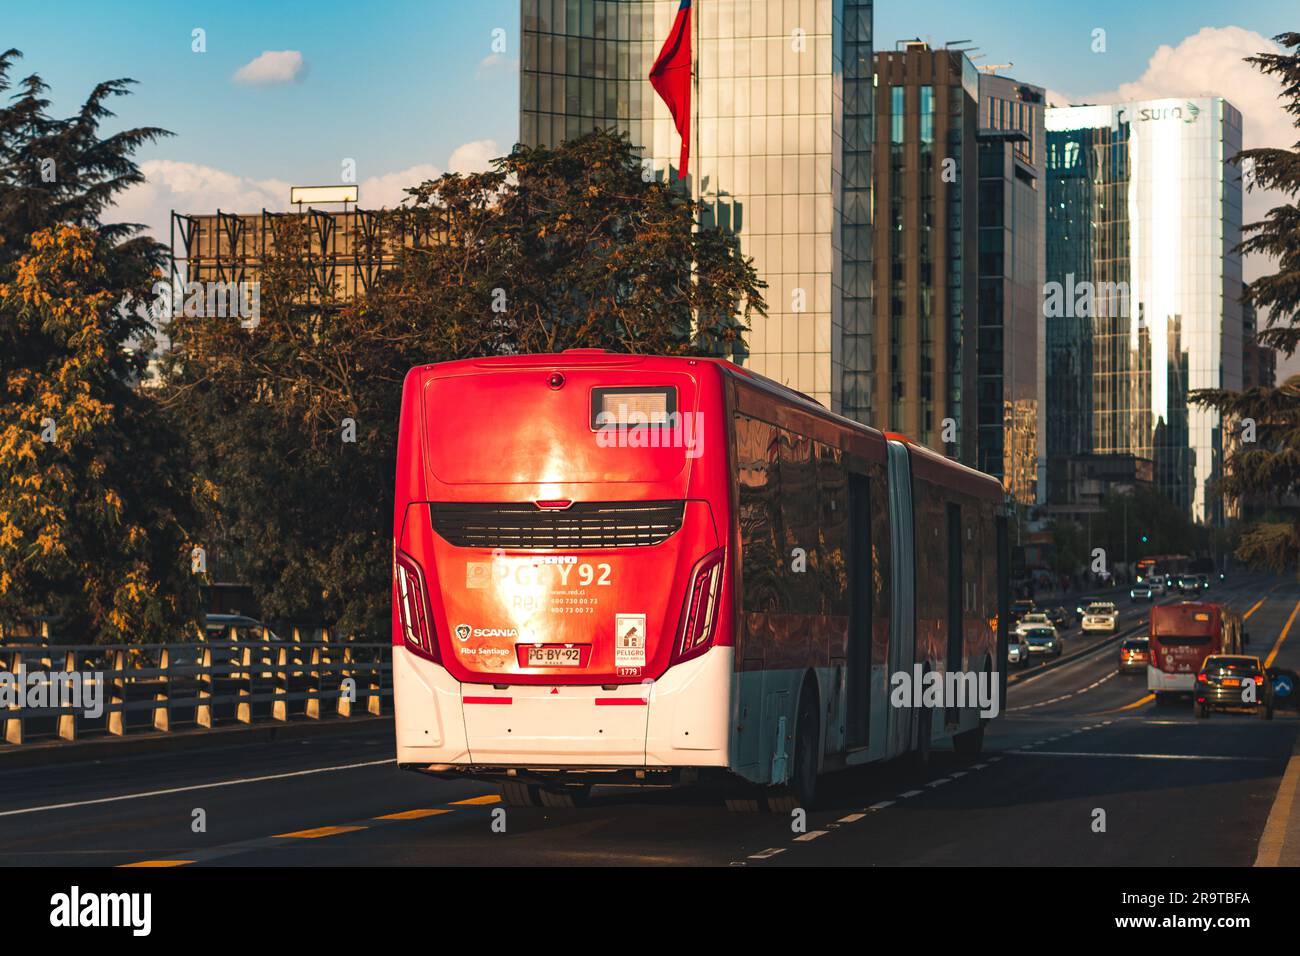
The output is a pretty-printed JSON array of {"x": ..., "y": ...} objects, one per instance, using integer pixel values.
[
  {"x": 1017, "y": 649},
  {"x": 1100, "y": 616},
  {"x": 1157, "y": 584},
  {"x": 1032, "y": 620}
]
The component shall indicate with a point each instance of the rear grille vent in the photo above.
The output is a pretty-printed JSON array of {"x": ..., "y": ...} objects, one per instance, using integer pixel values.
[{"x": 584, "y": 524}]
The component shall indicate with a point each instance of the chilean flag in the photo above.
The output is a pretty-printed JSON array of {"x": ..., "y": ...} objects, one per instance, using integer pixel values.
[{"x": 671, "y": 78}]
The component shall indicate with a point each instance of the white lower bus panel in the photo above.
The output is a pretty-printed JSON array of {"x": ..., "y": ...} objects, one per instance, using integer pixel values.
[{"x": 683, "y": 722}]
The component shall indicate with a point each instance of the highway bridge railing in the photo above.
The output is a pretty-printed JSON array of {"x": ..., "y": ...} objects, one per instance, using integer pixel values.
[{"x": 64, "y": 691}]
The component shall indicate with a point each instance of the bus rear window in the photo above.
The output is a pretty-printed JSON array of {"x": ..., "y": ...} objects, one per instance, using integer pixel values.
[
  {"x": 1238, "y": 668},
  {"x": 630, "y": 407}
]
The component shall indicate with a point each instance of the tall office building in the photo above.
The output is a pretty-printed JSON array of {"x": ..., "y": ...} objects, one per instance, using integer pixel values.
[
  {"x": 781, "y": 119},
  {"x": 1009, "y": 372},
  {"x": 927, "y": 104},
  {"x": 1142, "y": 295}
]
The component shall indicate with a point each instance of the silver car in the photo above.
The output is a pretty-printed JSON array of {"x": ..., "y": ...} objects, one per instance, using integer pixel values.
[{"x": 1043, "y": 642}]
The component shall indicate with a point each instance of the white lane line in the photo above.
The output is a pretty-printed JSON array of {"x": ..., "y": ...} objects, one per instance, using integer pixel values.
[
  {"x": 766, "y": 854},
  {"x": 198, "y": 786},
  {"x": 978, "y": 766},
  {"x": 1073, "y": 693},
  {"x": 909, "y": 793},
  {"x": 994, "y": 759},
  {"x": 940, "y": 782},
  {"x": 957, "y": 773},
  {"x": 881, "y": 805},
  {"x": 1078, "y": 753},
  {"x": 811, "y": 835}
]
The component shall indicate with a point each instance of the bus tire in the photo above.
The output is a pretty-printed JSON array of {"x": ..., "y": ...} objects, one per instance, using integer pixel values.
[
  {"x": 741, "y": 804},
  {"x": 1201, "y": 711},
  {"x": 1265, "y": 713},
  {"x": 518, "y": 793},
  {"x": 800, "y": 790},
  {"x": 969, "y": 743}
]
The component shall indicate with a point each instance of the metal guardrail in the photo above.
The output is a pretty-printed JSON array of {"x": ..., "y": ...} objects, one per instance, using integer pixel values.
[{"x": 230, "y": 680}]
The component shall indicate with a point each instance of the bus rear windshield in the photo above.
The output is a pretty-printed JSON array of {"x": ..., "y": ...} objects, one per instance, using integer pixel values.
[{"x": 1241, "y": 668}]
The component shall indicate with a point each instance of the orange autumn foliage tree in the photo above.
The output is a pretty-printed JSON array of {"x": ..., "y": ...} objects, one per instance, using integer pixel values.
[{"x": 91, "y": 504}]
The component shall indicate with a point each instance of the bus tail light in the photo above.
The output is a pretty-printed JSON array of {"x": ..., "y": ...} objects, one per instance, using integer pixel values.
[
  {"x": 700, "y": 612},
  {"x": 413, "y": 606}
]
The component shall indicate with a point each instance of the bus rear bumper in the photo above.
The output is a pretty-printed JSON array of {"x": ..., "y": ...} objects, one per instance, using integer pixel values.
[
  {"x": 1160, "y": 682},
  {"x": 679, "y": 721}
]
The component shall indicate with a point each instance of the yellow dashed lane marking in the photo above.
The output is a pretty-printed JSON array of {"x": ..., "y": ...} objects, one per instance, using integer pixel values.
[
  {"x": 316, "y": 833},
  {"x": 151, "y": 863},
  {"x": 477, "y": 801},
  {"x": 412, "y": 814},
  {"x": 1282, "y": 637}
]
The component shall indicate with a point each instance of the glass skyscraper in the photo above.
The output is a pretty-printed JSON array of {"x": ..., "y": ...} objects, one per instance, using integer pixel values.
[
  {"x": 1142, "y": 300},
  {"x": 782, "y": 127},
  {"x": 1009, "y": 373}
]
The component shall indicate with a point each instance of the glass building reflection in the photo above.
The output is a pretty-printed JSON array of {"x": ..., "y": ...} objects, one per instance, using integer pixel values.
[
  {"x": 1142, "y": 300},
  {"x": 782, "y": 120}
]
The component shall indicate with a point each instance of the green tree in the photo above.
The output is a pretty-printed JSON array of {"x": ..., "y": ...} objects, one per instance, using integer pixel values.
[
  {"x": 1267, "y": 469},
  {"x": 92, "y": 503},
  {"x": 552, "y": 248}
]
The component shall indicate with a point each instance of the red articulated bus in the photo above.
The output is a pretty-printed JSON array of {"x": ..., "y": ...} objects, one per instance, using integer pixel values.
[
  {"x": 624, "y": 569},
  {"x": 1182, "y": 636}
]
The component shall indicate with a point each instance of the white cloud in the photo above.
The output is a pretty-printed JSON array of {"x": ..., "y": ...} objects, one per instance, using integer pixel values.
[
  {"x": 474, "y": 156},
  {"x": 272, "y": 68},
  {"x": 388, "y": 190},
  {"x": 201, "y": 190},
  {"x": 1211, "y": 63},
  {"x": 193, "y": 188},
  {"x": 496, "y": 63}
]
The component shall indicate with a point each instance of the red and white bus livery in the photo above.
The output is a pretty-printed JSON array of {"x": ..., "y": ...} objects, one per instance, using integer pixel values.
[
  {"x": 1182, "y": 636},
  {"x": 623, "y": 569}
]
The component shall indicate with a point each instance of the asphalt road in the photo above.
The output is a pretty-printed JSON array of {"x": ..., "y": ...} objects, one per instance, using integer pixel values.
[{"x": 1075, "y": 740}]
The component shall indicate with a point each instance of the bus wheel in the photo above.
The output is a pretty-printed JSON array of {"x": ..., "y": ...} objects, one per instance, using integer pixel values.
[
  {"x": 1265, "y": 712},
  {"x": 742, "y": 804},
  {"x": 969, "y": 743},
  {"x": 517, "y": 793},
  {"x": 801, "y": 789},
  {"x": 1201, "y": 711}
]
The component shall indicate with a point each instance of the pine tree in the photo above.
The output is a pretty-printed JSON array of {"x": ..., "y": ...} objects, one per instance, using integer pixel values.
[
  {"x": 1267, "y": 469},
  {"x": 93, "y": 501}
]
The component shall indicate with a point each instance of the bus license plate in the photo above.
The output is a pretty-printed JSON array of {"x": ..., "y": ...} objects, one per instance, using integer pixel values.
[
  {"x": 554, "y": 657},
  {"x": 1231, "y": 682}
]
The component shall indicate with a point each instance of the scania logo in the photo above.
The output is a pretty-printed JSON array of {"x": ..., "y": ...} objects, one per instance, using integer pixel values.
[{"x": 465, "y": 632}]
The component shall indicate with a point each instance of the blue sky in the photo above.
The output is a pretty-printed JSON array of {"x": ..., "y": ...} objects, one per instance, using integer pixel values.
[
  {"x": 388, "y": 83},
  {"x": 1050, "y": 42},
  {"x": 396, "y": 84}
]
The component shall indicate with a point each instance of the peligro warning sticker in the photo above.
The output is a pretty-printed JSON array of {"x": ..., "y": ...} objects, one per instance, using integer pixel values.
[{"x": 629, "y": 640}]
